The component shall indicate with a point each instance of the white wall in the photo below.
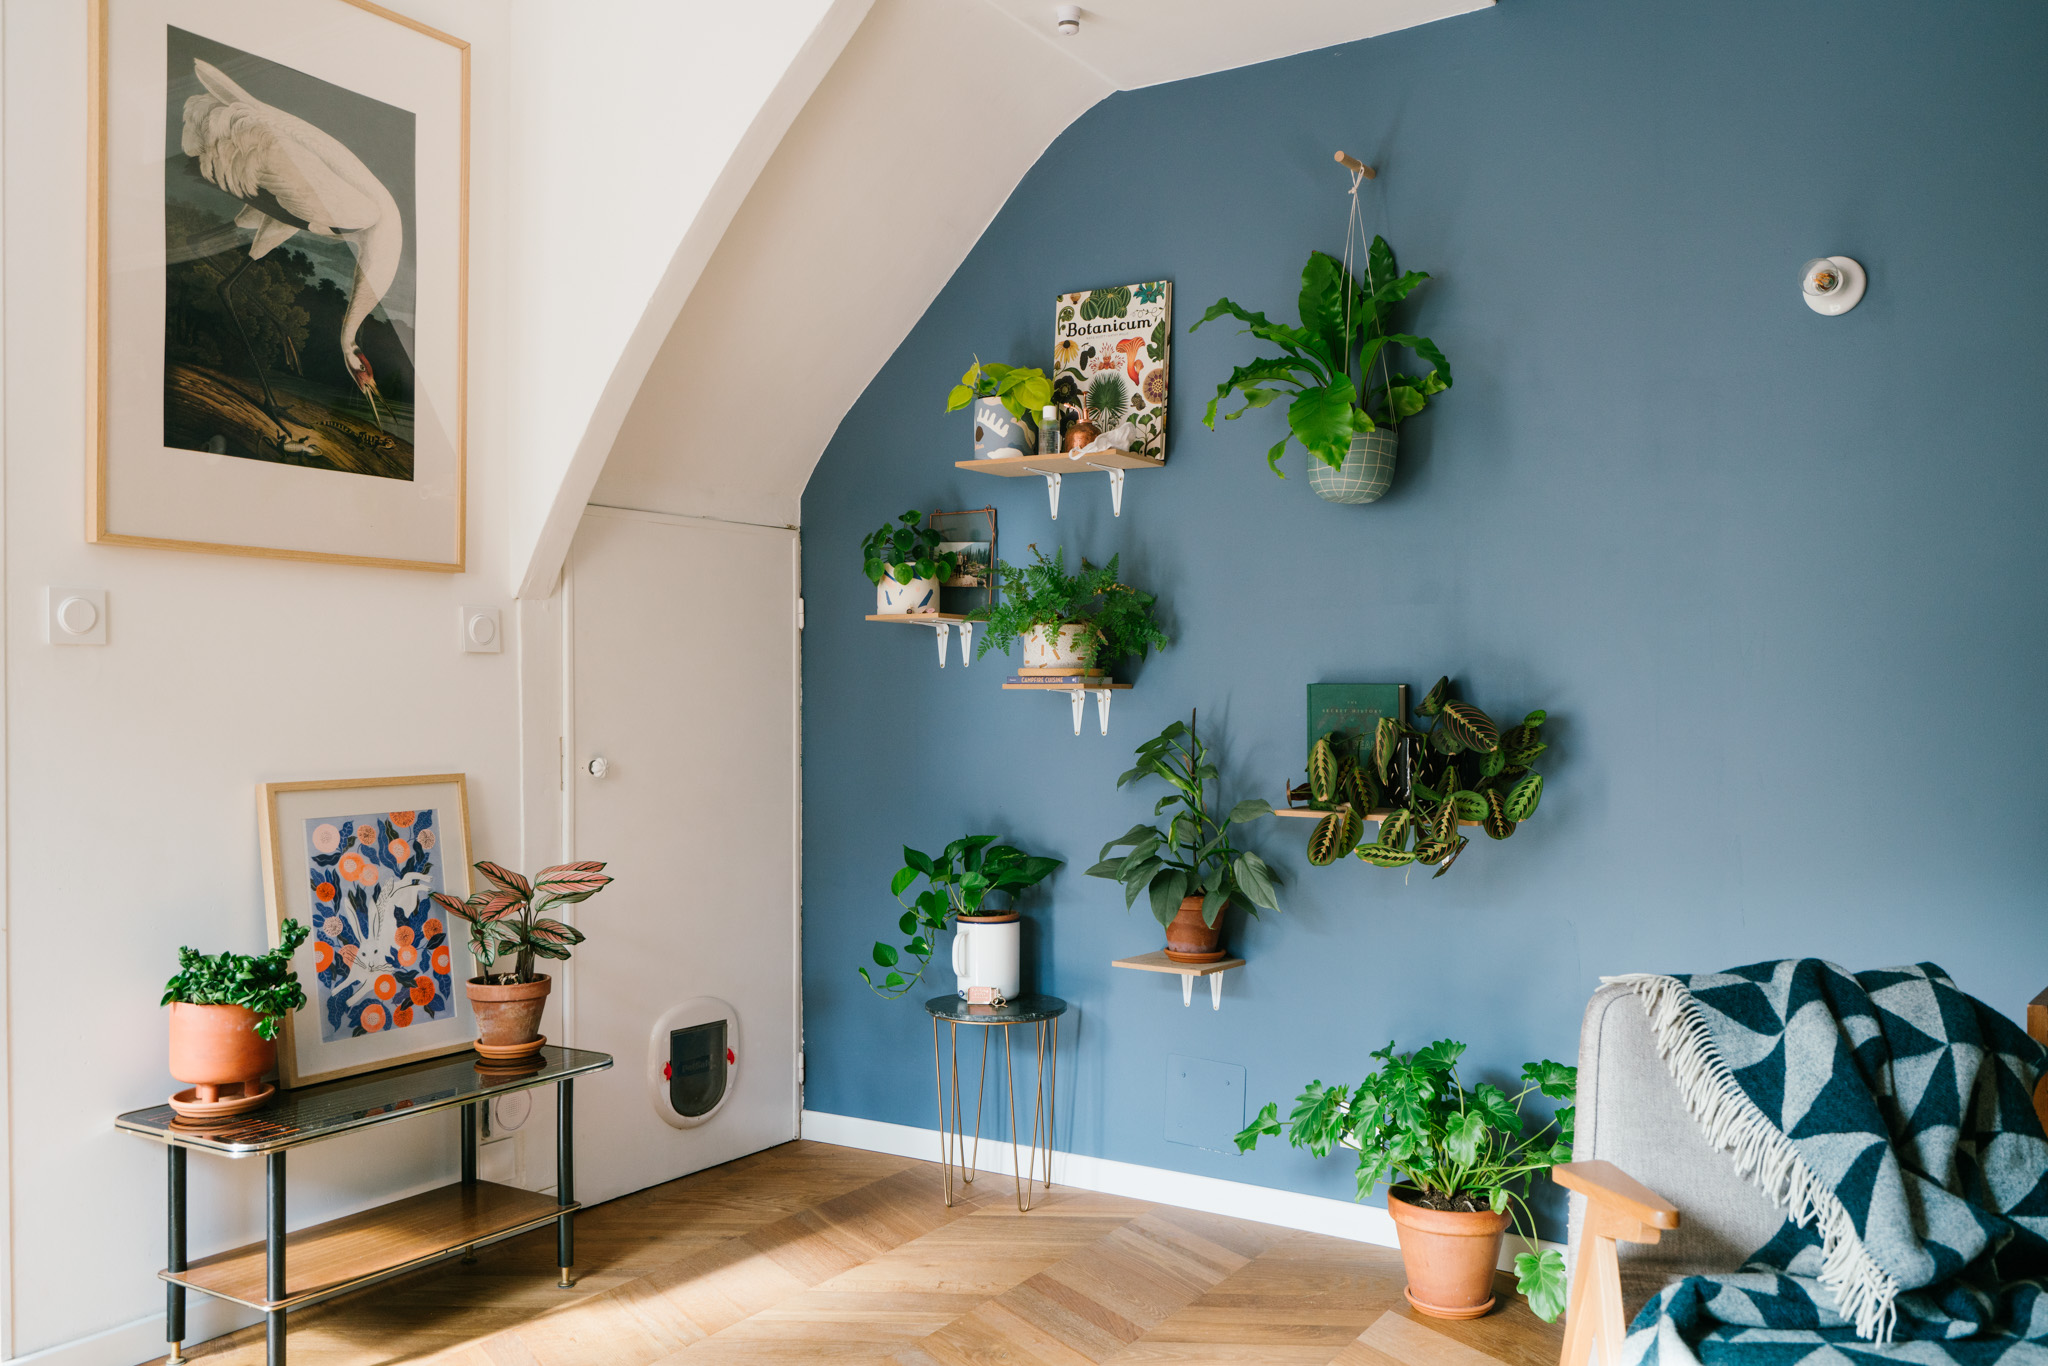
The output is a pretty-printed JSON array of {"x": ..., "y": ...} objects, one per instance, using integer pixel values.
[{"x": 132, "y": 768}]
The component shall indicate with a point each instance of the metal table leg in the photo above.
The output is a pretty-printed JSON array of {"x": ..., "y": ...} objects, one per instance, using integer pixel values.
[
  {"x": 273, "y": 1260},
  {"x": 565, "y": 1178},
  {"x": 469, "y": 1166},
  {"x": 174, "y": 1294}
]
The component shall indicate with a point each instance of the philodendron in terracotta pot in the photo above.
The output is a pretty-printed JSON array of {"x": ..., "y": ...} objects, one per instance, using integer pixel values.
[
  {"x": 1190, "y": 870},
  {"x": 506, "y": 920},
  {"x": 987, "y": 936},
  {"x": 1458, "y": 1164},
  {"x": 225, "y": 1012}
]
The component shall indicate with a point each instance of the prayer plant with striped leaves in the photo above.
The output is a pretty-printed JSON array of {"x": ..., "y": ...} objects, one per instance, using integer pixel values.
[{"x": 506, "y": 916}]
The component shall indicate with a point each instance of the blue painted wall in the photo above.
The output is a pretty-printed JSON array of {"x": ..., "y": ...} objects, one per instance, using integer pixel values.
[{"x": 1778, "y": 578}]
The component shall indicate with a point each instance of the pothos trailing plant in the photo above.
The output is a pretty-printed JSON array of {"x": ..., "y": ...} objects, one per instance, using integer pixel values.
[
  {"x": 1344, "y": 330},
  {"x": 506, "y": 916},
  {"x": 906, "y": 549},
  {"x": 1458, "y": 1149},
  {"x": 1025, "y": 392},
  {"x": 958, "y": 882},
  {"x": 1193, "y": 855},
  {"x": 1115, "y": 619},
  {"x": 263, "y": 983}
]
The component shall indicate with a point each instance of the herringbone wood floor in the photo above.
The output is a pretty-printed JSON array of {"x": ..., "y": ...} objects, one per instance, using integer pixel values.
[{"x": 811, "y": 1253}]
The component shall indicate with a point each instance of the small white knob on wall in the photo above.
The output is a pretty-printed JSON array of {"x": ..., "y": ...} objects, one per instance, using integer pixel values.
[
  {"x": 1831, "y": 285},
  {"x": 479, "y": 631},
  {"x": 75, "y": 616},
  {"x": 597, "y": 767}
]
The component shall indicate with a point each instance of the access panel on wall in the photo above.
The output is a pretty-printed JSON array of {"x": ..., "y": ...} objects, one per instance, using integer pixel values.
[{"x": 280, "y": 193}]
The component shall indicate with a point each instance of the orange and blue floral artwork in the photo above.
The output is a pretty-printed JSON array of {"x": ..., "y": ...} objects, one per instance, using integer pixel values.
[{"x": 380, "y": 947}]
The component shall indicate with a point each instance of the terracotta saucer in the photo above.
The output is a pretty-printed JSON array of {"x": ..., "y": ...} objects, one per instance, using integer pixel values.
[
  {"x": 1472, "y": 1311},
  {"x": 1175, "y": 955},
  {"x": 189, "y": 1106},
  {"x": 510, "y": 1052}
]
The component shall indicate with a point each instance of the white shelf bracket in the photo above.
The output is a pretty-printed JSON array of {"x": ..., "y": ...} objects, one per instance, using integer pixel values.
[
  {"x": 942, "y": 629},
  {"x": 1215, "y": 991},
  {"x": 1102, "y": 709},
  {"x": 1080, "y": 701},
  {"x": 1052, "y": 491},
  {"x": 1187, "y": 989},
  {"x": 1116, "y": 493},
  {"x": 966, "y": 639}
]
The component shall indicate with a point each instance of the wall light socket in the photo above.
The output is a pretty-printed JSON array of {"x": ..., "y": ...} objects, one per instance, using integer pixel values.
[
  {"x": 75, "y": 616},
  {"x": 480, "y": 634}
]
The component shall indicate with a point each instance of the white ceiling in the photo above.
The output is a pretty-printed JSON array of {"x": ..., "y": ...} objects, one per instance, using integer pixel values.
[{"x": 1130, "y": 43}]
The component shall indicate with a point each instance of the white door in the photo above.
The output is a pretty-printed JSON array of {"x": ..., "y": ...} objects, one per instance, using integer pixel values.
[{"x": 683, "y": 679}]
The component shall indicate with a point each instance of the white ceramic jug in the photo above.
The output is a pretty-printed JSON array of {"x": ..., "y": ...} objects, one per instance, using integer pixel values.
[{"x": 986, "y": 953}]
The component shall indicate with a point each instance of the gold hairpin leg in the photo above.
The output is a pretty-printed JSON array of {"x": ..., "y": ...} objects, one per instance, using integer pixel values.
[{"x": 945, "y": 1133}]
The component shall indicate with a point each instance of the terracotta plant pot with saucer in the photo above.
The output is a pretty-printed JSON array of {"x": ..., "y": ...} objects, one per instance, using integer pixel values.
[
  {"x": 1449, "y": 1255},
  {"x": 508, "y": 923},
  {"x": 1189, "y": 940},
  {"x": 218, "y": 1053},
  {"x": 508, "y": 1016}
]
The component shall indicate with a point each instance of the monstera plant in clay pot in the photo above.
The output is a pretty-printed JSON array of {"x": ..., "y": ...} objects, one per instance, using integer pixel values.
[{"x": 507, "y": 921}]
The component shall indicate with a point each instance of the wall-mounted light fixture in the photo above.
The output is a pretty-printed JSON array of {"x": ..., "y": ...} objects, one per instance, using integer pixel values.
[
  {"x": 1831, "y": 284},
  {"x": 1068, "y": 19}
]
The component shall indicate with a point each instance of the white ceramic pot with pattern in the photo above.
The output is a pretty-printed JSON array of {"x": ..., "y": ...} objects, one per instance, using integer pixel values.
[
  {"x": 1045, "y": 650},
  {"x": 899, "y": 599}
]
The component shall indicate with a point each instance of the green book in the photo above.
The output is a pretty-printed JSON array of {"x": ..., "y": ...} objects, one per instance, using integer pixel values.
[{"x": 1353, "y": 708}]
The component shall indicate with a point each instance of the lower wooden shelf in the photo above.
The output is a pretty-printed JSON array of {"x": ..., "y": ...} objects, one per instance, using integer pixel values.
[
  {"x": 1308, "y": 813},
  {"x": 1157, "y": 961},
  {"x": 331, "y": 1257}
]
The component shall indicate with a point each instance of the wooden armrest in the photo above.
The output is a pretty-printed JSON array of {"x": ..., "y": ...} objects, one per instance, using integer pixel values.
[{"x": 1609, "y": 1185}]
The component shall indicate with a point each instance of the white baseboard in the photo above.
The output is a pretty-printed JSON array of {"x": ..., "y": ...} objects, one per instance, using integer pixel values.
[
  {"x": 1261, "y": 1204},
  {"x": 143, "y": 1340}
]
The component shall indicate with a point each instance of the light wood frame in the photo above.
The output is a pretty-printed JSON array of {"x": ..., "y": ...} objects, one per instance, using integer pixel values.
[
  {"x": 97, "y": 530},
  {"x": 456, "y": 883}
]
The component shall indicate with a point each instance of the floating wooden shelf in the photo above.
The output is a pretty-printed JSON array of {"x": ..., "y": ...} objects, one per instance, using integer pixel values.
[
  {"x": 1378, "y": 815},
  {"x": 1051, "y": 467},
  {"x": 330, "y": 1257},
  {"x": 1157, "y": 961},
  {"x": 941, "y": 622},
  {"x": 1079, "y": 693}
]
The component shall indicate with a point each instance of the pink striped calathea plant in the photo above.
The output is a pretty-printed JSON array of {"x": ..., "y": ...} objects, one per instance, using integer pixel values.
[{"x": 508, "y": 916}]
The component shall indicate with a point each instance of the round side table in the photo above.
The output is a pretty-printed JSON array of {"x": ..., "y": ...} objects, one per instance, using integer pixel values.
[{"x": 1044, "y": 1013}]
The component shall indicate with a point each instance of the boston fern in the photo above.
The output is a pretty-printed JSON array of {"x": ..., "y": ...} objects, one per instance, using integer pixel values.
[
  {"x": 1460, "y": 1149},
  {"x": 1115, "y": 619},
  {"x": 506, "y": 917},
  {"x": 906, "y": 550},
  {"x": 264, "y": 983},
  {"x": 1193, "y": 856},
  {"x": 1343, "y": 331},
  {"x": 959, "y": 880}
]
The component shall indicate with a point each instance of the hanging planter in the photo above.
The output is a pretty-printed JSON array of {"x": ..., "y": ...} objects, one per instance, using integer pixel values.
[{"x": 1367, "y": 472}]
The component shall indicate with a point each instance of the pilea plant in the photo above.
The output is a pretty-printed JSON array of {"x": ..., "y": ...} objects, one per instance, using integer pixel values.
[
  {"x": 1343, "y": 331},
  {"x": 1025, "y": 392},
  {"x": 1462, "y": 768},
  {"x": 906, "y": 549},
  {"x": 958, "y": 881},
  {"x": 1115, "y": 619},
  {"x": 1459, "y": 1149},
  {"x": 506, "y": 917},
  {"x": 264, "y": 983}
]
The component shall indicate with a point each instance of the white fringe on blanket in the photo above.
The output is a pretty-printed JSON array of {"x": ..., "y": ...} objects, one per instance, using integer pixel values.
[{"x": 1863, "y": 1289}]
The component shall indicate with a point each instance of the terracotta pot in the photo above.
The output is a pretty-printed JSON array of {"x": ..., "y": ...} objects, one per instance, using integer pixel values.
[
  {"x": 1188, "y": 940},
  {"x": 508, "y": 1015},
  {"x": 216, "y": 1046},
  {"x": 1450, "y": 1256}
]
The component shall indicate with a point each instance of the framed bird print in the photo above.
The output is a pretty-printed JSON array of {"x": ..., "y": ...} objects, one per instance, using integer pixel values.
[
  {"x": 356, "y": 860},
  {"x": 280, "y": 272}
]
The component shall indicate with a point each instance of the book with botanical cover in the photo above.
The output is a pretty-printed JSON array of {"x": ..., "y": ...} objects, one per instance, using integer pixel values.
[
  {"x": 1353, "y": 708},
  {"x": 1110, "y": 351}
]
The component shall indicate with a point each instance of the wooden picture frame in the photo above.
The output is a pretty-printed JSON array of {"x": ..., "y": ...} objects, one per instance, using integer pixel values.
[
  {"x": 384, "y": 969},
  {"x": 260, "y": 382}
]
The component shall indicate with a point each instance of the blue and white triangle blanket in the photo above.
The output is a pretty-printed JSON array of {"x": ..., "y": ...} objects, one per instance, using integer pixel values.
[{"x": 1891, "y": 1117}]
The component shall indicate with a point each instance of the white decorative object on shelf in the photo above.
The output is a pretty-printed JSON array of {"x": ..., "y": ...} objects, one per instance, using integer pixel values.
[{"x": 1832, "y": 285}]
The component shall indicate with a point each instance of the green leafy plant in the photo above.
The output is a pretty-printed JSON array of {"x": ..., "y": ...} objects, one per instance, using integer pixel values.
[
  {"x": 1458, "y": 1149},
  {"x": 906, "y": 549},
  {"x": 1193, "y": 854},
  {"x": 1343, "y": 331},
  {"x": 958, "y": 882},
  {"x": 1463, "y": 768},
  {"x": 506, "y": 917},
  {"x": 1025, "y": 392},
  {"x": 1115, "y": 619},
  {"x": 264, "y": 983}
]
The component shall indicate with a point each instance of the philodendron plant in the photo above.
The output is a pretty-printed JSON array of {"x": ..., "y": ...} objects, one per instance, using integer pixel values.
[
  {"x": 1343, "y": 331},
  {"x": 959, "y": 882},
  {"x": 1460, "y": 1149},
  {"x": 906, "y": 549},
  {"x": 1025, "y": 392},
  {"x": 1193, "y": 855}
]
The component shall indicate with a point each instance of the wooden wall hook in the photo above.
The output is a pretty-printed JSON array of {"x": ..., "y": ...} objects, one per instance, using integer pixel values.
[{"x": 1355, "y": 166}]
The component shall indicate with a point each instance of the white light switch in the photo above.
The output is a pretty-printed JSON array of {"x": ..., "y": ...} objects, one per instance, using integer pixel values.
[
  {"x": 480, "y": 635},
  {"x": 75, "y": 616}
]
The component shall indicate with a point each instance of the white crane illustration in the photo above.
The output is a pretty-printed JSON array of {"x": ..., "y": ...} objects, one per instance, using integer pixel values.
[{"x": 292, "y": 177}]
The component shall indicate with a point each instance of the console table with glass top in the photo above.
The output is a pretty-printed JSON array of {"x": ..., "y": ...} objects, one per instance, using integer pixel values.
[{"x": 314, "y": 1264}]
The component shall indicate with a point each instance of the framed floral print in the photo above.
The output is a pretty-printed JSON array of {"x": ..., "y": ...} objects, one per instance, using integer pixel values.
[
  {"x": 280, "y": 276},
  {"x": 356, "y": 860}
]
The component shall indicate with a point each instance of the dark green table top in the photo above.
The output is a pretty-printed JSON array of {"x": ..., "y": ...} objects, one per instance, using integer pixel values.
[{"x": 1023, "y": 1010}]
